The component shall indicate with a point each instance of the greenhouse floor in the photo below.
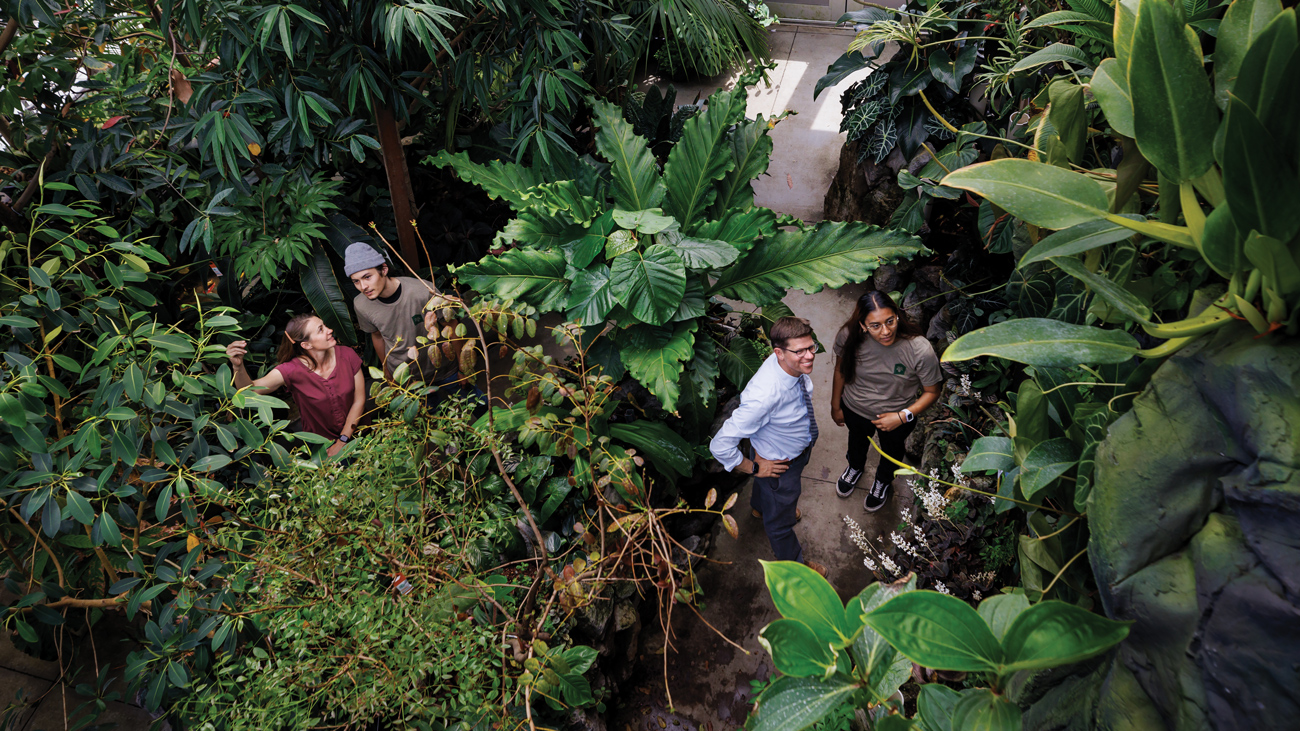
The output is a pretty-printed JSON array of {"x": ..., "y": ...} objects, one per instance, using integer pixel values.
[{"x": 708, "y": 678}]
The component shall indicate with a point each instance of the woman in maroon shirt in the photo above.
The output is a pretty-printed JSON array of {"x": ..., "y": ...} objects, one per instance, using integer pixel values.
[{"x": 323, "y": 377}]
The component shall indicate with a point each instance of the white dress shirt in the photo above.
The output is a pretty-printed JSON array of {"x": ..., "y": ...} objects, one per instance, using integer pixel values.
[{"x": 772, "y": 414}]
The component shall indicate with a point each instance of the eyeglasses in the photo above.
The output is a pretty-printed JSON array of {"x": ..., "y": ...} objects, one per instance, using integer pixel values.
[
  {"x": 810, "y": 350},
  {"x": 875, "y": 326}
]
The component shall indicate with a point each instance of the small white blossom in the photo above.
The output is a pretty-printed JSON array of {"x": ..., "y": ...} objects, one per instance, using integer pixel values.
[
  {"x": 977, "y": 595},
  {"x": 938, "y": 585},
  {"x": 965, "y": 384},
  {"x": 889, "y": 564},
  {"x": 902, "y": 543},
  {"x": 866, "y": 561}
]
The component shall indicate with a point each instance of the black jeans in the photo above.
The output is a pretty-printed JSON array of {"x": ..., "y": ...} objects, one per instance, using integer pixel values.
[{"x": 891, "y": 442}]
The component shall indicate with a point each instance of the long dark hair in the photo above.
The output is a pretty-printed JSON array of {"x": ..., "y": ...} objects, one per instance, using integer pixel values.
[
  {"x": 291, "y": 344},
  {"x": 867, "y": 304}
]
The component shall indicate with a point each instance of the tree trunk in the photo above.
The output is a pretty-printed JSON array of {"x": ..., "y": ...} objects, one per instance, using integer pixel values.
[{"x": 399, "y": 185}]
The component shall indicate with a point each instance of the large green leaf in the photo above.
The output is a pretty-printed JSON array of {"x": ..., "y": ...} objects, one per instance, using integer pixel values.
[
  {"x": 503, "y": 180},
  {"x": 1047, "y": 461},
  {"x": 1000, "y": 610},
  {"x": 740, "y": 359},
  {"x": 1053, "y": 633},
  {"x": 1068, "y": 117},
  {"x": 831, "y": 255},
  {"x": 700, "y": 253},
  {"x": 740, "y": 228},
  {"x": 649, "y": 221},
  {"x": 803, "y": 594},
  {"x": 795, "y": 650},
  {"x": 793, "y": 704},
  {"x": 949, "y": 71},
  {"x": 582, "y": 251},
  {"x": 989, "y": 454},
  {"x": 1174, "y": 116},
  {"x": 529, "y": 275},
  {"x": 1243, "y": 22},
  {"x": 1055, "y": 53},
  {"x": 1039, "y": 194},
  {"x": 934, "y": 706},
  {"x": 751, "y": 149},
  {"x": 1265, "y": 71},
  {"x": 659, "y": 366},
  {"x": 1110, "y": 86},
  {"x": 327, "y": 298},
  {"x": 1115, "y": 295},
  {"x": 885, "y": 669},
  {"x": 669, "y": 453},
  {"x": 981, "y": 710},
  {"x": 591, "y": 295},
  {"x": 563, "y": 198},
  {"x": 1042, "y": 342},
  {"x": 1077, "y": 239},
  {"x": 1260, "y": 189},
  {"x": 637, "y": 185},
  {"x": 702, "y": 156},
  {"x": 650, "y": 283},
  {"x": 541, "y": 228},
  {"x": 937, "y": 631}
]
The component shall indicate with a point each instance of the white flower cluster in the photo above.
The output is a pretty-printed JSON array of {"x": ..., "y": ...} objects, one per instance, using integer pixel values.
[
  {"x": 939, "y": 587},
  {"x": 903, "y": 543},
  {"x": 931, "y": 496},
  {"x": 985, "y": 578},
  {"x": 871, "y": 555},
  {"x": 977, "y": 595},
  {"x": 964, "y": 389}
]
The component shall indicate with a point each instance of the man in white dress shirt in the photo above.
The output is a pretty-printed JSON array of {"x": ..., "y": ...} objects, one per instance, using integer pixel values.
[{"x": 776, "y": 415}]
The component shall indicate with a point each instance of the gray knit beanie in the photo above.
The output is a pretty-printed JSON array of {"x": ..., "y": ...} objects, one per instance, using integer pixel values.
[{"x": 361, "y": 256}]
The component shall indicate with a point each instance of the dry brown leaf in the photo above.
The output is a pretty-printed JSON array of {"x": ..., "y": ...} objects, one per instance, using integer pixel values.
[
  {"x": 181, "y": 86},
  {"x": 729, "y": 523},
  {"x": 711, "y": 498}
]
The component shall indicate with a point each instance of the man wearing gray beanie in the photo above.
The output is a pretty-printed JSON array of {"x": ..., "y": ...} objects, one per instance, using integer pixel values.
[{"x": 392, "y": 310}]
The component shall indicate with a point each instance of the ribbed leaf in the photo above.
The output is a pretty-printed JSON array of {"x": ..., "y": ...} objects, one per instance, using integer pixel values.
[
  {"x": 541, "y": 228},
  {"x": 327, "y": 298},
  {"x": 563, "y": 198},
  {"x": 740, "y": 359},
  {"x": 659, "y": 366},
  {"x": 529, "y": 275},
  {"x": 831, "y": 255},
  {"x": 591, "y": 295},
  {"x": 1061, "y": 17},
  {"x": 1044, "y": 342},
  {"x": 700, "y": 253},
  {"x": 751, "y": 149},
  {"x": 793, "y": 704},
  {"x": 503, "y": 180},
  {"x": 637, "y": 185},
  {"x": 701, "y": 156},
  {"x": 1055, "y": 53},
  {"x": 650, "y": 283},
  {"x": 740, "y": 228},
  {"x": 669, "y": 453},
  {"x": 1039, "y": 194}
]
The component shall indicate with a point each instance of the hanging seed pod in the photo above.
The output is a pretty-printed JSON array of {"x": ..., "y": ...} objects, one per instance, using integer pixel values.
[{"x": 467, "y": 359}]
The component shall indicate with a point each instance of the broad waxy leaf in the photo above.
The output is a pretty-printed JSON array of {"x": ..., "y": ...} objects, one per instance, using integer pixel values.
[
  {"x": 591, "y": 295},
  {"x": 503, "y": 180},
  {"x": 803, "y": 594},
  {"x": 751, "y": 149},
  {"x": 667, "y": 450},
  {"x": 701, "y": 253},
  {"x": 1174, "y": 116},
  {"x": 701, "y": 156},
  {"x": 647, "y": 222},
  {"x": 1039, "y": 194},
  {"x": 1043, "y": 342},
  {"x": 650, "y": 283},
  {"x": 950, "y": 72},
  {"x": 1053, "y": 633},
  {"x": 582, "y": 251},
  {"x": 1047, "y": 461},
  {"x": 740, "y": 359},
  {"x": 842, "y": 68},
  {"x": 563, "y": 198},
  {"x": 980, "y": 710},
  {"x": 934, "y": 706},
  {"x": 1067, "y": 116},
  {"x": 989, "y": 454},
  {"x": 1110, "y": 85},
  {"x": 327, "y": 298},
  {"x": 1242, "y": 23},
  {"x": 528, "y": 275},
  {"x": 832, "y": 255},
  {"x": 937, "y": 631},
  {"x": 1260, "y": 191},
  {"x": 1000, "y": 610},
  {"x": 659, "y": 367},
  {"x": 740, "y": 228},
  {"x": 884, "y": 667},
  {"x": 1055, "y": 53},
  {"x": 1115, "y": 295},
  {"x": 1078, "y": 239},
  {"x": 637, "y": 185},
  {"x": 795, "y": 650},
  {"x": 793, "y": 704},
  {"x": 541, "y": 228}
]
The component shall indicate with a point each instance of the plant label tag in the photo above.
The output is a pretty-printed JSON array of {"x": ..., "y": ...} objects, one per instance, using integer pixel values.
[{"x": 402, "y": 585}]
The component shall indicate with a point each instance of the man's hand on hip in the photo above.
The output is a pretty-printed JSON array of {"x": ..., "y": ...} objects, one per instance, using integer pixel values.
[{"x": 769, "y": 467}]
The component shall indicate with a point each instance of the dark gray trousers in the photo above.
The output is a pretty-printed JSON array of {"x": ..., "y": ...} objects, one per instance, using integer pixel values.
[{"x": 777, "y": 498}]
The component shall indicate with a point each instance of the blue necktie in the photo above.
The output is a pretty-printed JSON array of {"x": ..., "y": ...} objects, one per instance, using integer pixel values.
[{"x": 812, "y": 420}]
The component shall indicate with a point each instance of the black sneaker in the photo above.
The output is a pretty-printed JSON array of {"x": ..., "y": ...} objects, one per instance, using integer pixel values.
[
  {"x": 877, "y": 496},
  {"x": 848, "y": 480}
]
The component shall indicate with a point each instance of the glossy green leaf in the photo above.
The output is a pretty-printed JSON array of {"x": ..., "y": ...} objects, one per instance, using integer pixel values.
[
  {"x": 1000, "y": 610},
  {"x": 659, "y": 366},
  {"x": 793, "y": 704},
  {"x": 740, "y": 359},
  {"x": 701, "y": 253},
  {"x": 667, "y": 451},
  {"x": 1039, "y": 194},
  {"x": 79, "y": 508},
  {"x": 1260, "y": 191},
  {"x": 937, "y": 631},
  {"x": 563, "y": 198},
  {"x": 649, "y": 221},
  {"x": 1125, "y": 20},
  {"x": 1053, "y": 633},
  {"x": 751, "y": 149},
  {"x": 981, "y": 710},
  {"x": 12, "y": 412},
  {"x": 1116, "y": 296},
  {"x": 934, "y": 704},
  {"x": 1044, "y": 342},
  {"x": 1110, "y": 86},
  {"x": 210, "y": 463},
  {"x": 119, "y": 413},
  {"x": 951, "y": 72},
  {"x": 1279, "y": 266},
  {"x": 803, "y": 594},
  {"x": 831, "y": 255},
  {"x": 1077, "y": 239},
  {"x": 1062, "y": 53},
  {"x": 591, "y": 296},
  {"x": 884, "y": 668},
  {"x": 1174, "y": 116},
  {"x": 795, "y": 650},
  {"x": 328, "y": 299},
  {"x": 989, "y": 454},
  {"x": 650, "y": 283},
  {"x": 740, "y": 228},
  {"x": 1068, "y": 117},
  {"x": 529, "y": 275},
  {"x": 701, "y": 156},
  {"x": 503, "y": 180},
  {"x": 1047, "y": 461},
  {"x": 637, "y": 184},
  {"x": 539, "y": 227},
  {"x": 1264, "y": 70},
  {"x": 1242, "y": 23}
]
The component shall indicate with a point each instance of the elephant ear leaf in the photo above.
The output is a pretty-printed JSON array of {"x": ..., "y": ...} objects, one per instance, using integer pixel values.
[{"x": 637, "y": 184}]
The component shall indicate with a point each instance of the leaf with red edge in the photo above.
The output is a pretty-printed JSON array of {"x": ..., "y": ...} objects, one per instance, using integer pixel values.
[{"x": 113, "y": 120}]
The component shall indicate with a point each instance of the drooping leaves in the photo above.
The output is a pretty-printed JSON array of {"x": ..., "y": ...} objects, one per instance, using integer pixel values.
[
  {"x": 658, "y": 365},
  {"x": 529, "y": 275}
]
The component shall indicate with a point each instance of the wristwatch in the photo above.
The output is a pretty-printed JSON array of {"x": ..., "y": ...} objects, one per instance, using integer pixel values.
[
  {"x": 907, "y": 415},
  {"x": 344, "y": 438}
]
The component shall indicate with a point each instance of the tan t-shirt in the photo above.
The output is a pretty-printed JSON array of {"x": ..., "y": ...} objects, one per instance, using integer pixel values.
[
  {"x": 400, "y": 323},
  {"x": 887, "y": 378}
]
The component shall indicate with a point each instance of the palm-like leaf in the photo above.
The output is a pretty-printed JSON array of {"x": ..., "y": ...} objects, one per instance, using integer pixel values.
[
  {"x": 832, "y": 255},
  {"x": 658, "y": 366},
  {"x": 503, "y": 180},
  {"x": 637, "y": 185},
  {"x": 327, "y": 298},
  {"x": 701, "y": 157},
  {"x": 722, "y": 27},
  {"x": 528, "y": 275}
]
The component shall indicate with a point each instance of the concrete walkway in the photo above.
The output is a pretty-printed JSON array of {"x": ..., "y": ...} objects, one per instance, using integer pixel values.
[{"x": 708, "y": 678}]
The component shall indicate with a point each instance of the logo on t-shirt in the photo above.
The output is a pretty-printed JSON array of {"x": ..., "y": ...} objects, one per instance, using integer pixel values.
[
  {"x": 418, "y": 318},
  {"x": 900, "y": 369}
]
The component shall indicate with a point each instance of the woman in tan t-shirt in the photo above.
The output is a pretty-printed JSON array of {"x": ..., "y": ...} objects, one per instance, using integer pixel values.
[{"x": 882, "y": 363}]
